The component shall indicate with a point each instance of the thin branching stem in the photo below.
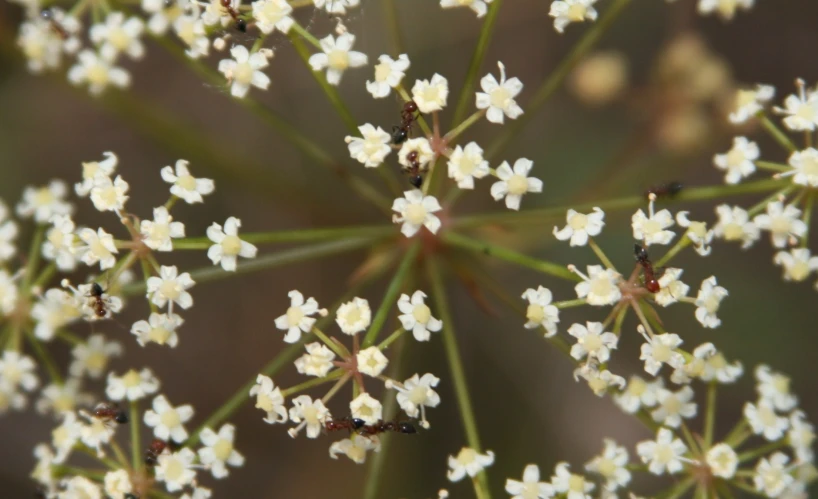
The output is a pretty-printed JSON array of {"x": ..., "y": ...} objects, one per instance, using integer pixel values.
[
  {"x": 390, "y": 297},
  {"x": 292, "y": 235}
]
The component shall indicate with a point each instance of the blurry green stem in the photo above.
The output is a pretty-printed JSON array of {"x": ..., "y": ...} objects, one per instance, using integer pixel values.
[
  {"x": 307, "y": 36},
  {"x": 467, "y": 90},
  {"x": 458, "y": 373},
  {"x": 710, "y": 415},
  {"x": 681, "y": 244},
  {"x": 391, "y": 339},
  {"x": 600, "y": 254},
  {"x": 776, "y": 133},
  {"x": 390, "y": 11},
  {"x": 462, "y": 127},
  {"x": 294, "y": 235},
  {"x": 44, "y": 357},
  {"x": 136, "y": 447},
  {"x": 33, "y": 257},
  {"x": 459, "y": 241},
  {"x": 312, "y": 382},
  {"x": 808, "y": 205},
  {"x": 390, "y": 297},
  {"x": 762, "y": 205},
  {"x": 549, "y": 86}
]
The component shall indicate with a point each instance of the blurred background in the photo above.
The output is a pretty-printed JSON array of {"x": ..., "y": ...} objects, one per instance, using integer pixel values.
[{"x": 595, "y": 139}]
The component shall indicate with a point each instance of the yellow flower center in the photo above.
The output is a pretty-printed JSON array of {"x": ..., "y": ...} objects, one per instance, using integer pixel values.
[
  {"x": 578, "y": 221},
  {"x": 661, "y": 352},
  {"x": 735, "y": 158},
  {"x": 186, "y": 182},
  {"x": 338, "y": 59},
  {"x": 294, "y": 315},
  {"x": 170, "y": 418},
  {"x": 535, "y": 313},
  {"x": 576, "y": 12},
  {"x": 170, "y": 290},
  {"x": 499, "y": 97},
  {"x": 637, "y": 387},
  {"x": 467, "y": 165},
  {"x": 231, "y": 245},
  {"x": 422, "y": 313},
  {"x": 781, "y": 383},
  {"x": 418, "y": 395},
  {"x": 466, "y": 456},
  {"x": 606, "y": 468},
  {"x": 96, "y": 361},
  {"x": 517, "y": 185},
  {"x": 174, "y": 470},
  {"x": 243, "y": 73},
  {"x": 43, "y": 197},
  {"x": 131, "y": 379},
  {"x": 592, "y": 342},
  {"x": 265, "y": 403},
  {"x": 223, "y": 449},
  {"x": 810, "y": 167},
  {"x": 733, "y": 232},
  {"x": 97, "y": 74},
  {"x": 119, "y": 39},
  {"x": 601, "y": 287},
  {"x": 382, "y": 72},
  {"x": 415, "y": 214},
  {"x": 159, "y": 335}
]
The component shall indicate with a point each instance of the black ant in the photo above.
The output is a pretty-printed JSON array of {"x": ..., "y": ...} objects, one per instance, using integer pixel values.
[
  {"x": 416, "y": 179},
  {"x": 109, "y": 411},
  {"x": 405, "y": 427},
  {"x": 156, "y": 448},
  {"x": 400, "y": 133},
  {"x": 58, "y": 28},
  {"x": 668, "y": 190},
  {"x": 241, "y": 24},
  {"x": 350, "y": 424},
  {"x": 641, "y": 254}
]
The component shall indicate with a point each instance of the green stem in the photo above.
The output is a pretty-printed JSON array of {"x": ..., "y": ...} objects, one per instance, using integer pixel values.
[
  {"x": 537, "y": 216},
  {"x": 600, "y": 254},
  {"x": 285, "y": 257},
  {"x": 710, "y": 415},
  {"x": 459, "y": 241},
  {"x": 391, "y": 13},
  {"x": 550, "y": 85},
  {"x": 391, "y": 339},
  {"x": 760, "y": 451},
  {"x": 457, "y": 371},
  {"x": 462, "y": 127},
  {"x": 681, "y": 244},
  {"x": 45, "y": 276},
  {"x": 776, "y": 167},
  {"x": 750, "y": 489},
  {"x": 677, "y": 490},
  {"x": 45, "y": 358},
  {"x": 808, "y": 205},
  {"x": 467, "y": 90},
  {"x": 33, "y": 257},
  {"x": 578, "y": 302},
  {"x": 312, "y": 382},
  {"x": 776, "y": 133},
  {"x": 293, "y": 235},
  {"x": 335, "y": 347},
  {"x": 303, "y": 33},
  {"x": 136, "y": 447},
  {"x": 762, "y": 205},
  {"x": 390, "y": 297}
]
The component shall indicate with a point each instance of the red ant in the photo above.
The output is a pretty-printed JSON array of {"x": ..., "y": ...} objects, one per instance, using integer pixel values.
[
  {"x": 99, "y": 305},
  {"x": 641, "y": 254},
  {"x": 416, "y": 179},
  {"x": 154, "y": 450},
  {"x": 58, "y": 28},
  {"x": 241, "y": 24},
  {"x": 385, "y": 426},
  {"x": 407, "y": 117},
  {"x": 108, "y": 411},
  {"x": 350, "y": 424},
  {"x": 667, "y": 190}
]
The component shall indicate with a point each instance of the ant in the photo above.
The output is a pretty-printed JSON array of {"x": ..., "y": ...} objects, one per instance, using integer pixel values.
[
  {"x": 58, "y": 28},
  {"x": 156, "y": 448},
  {"x": 407, "y": 117},
  {"x": 241, "y": 24},
  {"x": 667, "y": 190},
  {"x": 99, "y": 305},
  {"x": 351, "y": 424},
  {"x": 108, "y": 411},
  {"x": 416, "y": 179},
  {"x": 641, "y": 254},
  {"x": 405, "y": 427}
]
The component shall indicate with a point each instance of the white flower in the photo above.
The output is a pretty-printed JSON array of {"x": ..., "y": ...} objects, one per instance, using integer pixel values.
[
  {"x": 228, "y": 247},
  {"x": 600, "y": 287},
  {"x": 708, "y": 302},
  {"x": 297, "y": 318},
  {"x": 801, "y": 109},
  {"x": 417, "y": 394},
  {"x": 60, "y": 245},
  {"x": 638, "y": 394},
  {"x": 337, "y": 57},
  {"x": 696, "y": 232},
  {"x": 415, "y": 211},
  {"x": 367, "y": 408},
  {"x": 652, "y": 229},
  {"x": 371, "y": 361},
  {"x": 132, "y": 385},
  {"x": 671, "y": 288},
  {"x": 216, "y": 12},
  {"x": 611, "y": 464},
  {"x": 572, "y": 485},
  {"x": 159, "y": 329},
  {"x": 513, "y": 184},
  {"x": 118, "y": 36},
  {"x": 63, "y": 398},
  {"x": 97, "y": 73},
  {"x": 176, "y": 469},
  {"x": 673, "y": 406},
  {"x": 79, "y": 486},
  {"x": 316, "y": 362},
  {"x": 99, "y": 247},
  {"x": 431, "y": 95},
  {"x": 734, "y": 225},
  {"x": 478, "y": 6},
  {"x": 336, "y": 6},
  {"x": 530, "y": 487},
  {"x": 772, "y": 475},
  {"x": 42, "y": 45},
  {"x": 11, "y": 399},
  {"x": 722, "y": 460},
  {"x": 244, "y": 70},
  {"x": 354, "y": 316},
  {"x": 8, "y": 293},
  {"x": 498, "y": 97},
  {"x": 738, "y": 162},
  {"x": 157, "y": 234},
  {"x": 18, "y": 371},
  {"x": 749, "y": 102},
  {"x": 96, "y": 434},
  {"x": 43, "y": 203},
  {"x": 355, "y": 447},
  {"x": 109, "y": 195},
  {"x": 8, "y": 233},
  {"x": 661, "y": 349},
  {"x": 43, "y": 471},
  {"x": 466, "y": 164},
  {"x": 218, "y": 450},
  {"x": 775, "y": 388},
  {"x": 598, "y": 381},
  {"x": 388, "y": 75},
  {"x": 764, "y": 421},
  {"x": 371, "y": 148},
  {"x": 798, "y": 263},
  {"x": 663, "y": 454},
  {"x": 92, "y": 169},
  {"x": 725, "y": 8},
  {"x": 170, "y": 286},
  {"x": 65, "y": 436},
  {"x": 540, "y": 312},
  {"x": 468, "y": 462},
  {"x": 417, "y": 317},
  {"x": 782, "y": 222},
  {"x": 55, "y": 309},
  {"x": 185, "y": 186},
  {"x": 801, "y": 437},
  {"x": 168, "y": 421},
  {"x": 190, "y": 28},
  {"x": 707, "y": 364},
  {"x": 269, "y": 399},
  {"x": 592, "y": 342},
  {"x": 273, "y": 14},
  {"x": 309, "y": 413},
  {"x": 805, "y": 167},
  {"x": 118, "y": 483},
  {"x": 92, "y": 356},
  {"x": 162, "y": 14},
  {"x": 565, "y": 12},
  {"x": 579, "y": 226}
]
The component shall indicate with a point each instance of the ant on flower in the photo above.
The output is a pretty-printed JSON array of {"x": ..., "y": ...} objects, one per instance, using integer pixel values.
[
  {"x": 641, "y": 254},
  {"x": 667, "y": 190},
  {"x": 381, "y": 426},
  {"x": 156, "y": 448},
  {"x": 58, "y": 28},
  {"x": 400, "y": 133},
  {"x": 416, "y": 178},
  {"x": 241, "y": 24},
  {"x": 350, "y": 424},
  {"x": 110, "y": 411}
]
